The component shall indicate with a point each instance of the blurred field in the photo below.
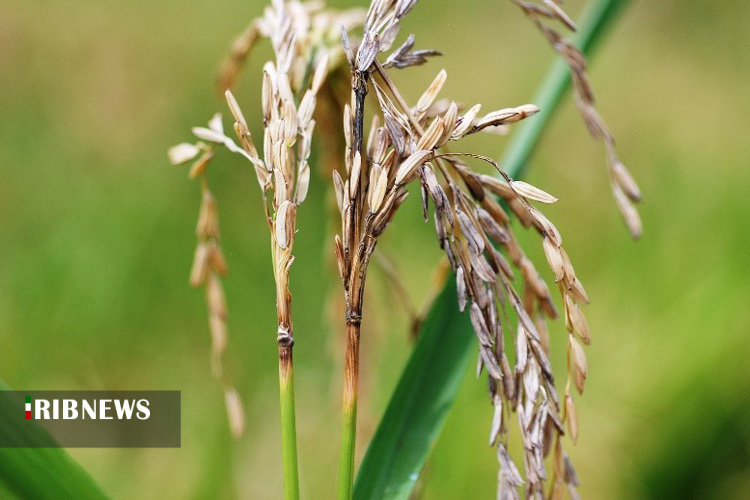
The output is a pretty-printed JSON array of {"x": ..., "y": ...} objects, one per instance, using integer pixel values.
[{"x": 98, "y": 235}]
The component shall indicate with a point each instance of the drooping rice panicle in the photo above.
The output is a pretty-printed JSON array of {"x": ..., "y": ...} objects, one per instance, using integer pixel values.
[
  {"x": 475, "y": 232},
  {"x": 209, "y": 265},
  {"x": 624, "y": 187}
]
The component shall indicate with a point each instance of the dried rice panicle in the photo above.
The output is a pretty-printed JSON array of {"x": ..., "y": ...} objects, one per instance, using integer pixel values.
[{"x": 409, "y": 143}]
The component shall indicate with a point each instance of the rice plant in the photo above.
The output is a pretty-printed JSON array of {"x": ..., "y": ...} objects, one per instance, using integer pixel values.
[{"x": 476, "y": 217}]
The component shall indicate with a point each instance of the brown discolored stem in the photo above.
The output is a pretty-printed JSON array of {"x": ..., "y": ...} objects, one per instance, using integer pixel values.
[
  {"x": 363, "y": 245},
  {"x": 351, "y": 370},
  {"x": 355, "y": 292},
  {"x": 349, "y": 407}
]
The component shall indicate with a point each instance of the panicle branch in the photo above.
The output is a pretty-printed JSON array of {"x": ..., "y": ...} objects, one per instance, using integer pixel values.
[
  {"x": 624, "y": 187},
  {"x": 209, "y": 265}
]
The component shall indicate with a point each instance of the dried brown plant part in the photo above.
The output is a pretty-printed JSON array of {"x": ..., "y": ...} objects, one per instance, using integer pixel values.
[
  {"x": 469, "y": 223},
  {"x": 573, "y": 296},
  {"x": 238, "y": 53},
  {"x": 209, "y": 265},
  {"x": 563, "y": 474},
  {"x": 624, "y": 188}
]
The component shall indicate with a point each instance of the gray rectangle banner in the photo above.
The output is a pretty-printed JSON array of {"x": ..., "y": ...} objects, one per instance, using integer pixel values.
[{"x": 90, "y": 419}]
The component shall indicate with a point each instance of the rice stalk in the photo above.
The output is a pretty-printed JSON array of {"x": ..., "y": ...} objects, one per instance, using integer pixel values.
[
  {"x": 300, "y": 35},
  {"x": 475, "y": 232}
]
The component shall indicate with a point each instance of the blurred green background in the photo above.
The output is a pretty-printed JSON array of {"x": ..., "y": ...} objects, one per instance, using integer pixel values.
[{"x": 97, "y": 236}]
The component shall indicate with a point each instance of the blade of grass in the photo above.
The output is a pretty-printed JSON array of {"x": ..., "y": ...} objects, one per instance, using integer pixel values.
[
  {"x": 431, "y": 379},
  {"x": 420, "y": 403},
  {"x": 39, "y": 473}
]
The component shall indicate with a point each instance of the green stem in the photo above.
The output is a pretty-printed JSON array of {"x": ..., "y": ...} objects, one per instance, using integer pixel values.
[
  {"x": 346, "y": 459},
  {"x": 288, "y": 423}
]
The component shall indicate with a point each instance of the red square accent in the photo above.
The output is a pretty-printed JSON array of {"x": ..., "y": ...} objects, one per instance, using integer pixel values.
[{"x": 28, "y": 415}]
